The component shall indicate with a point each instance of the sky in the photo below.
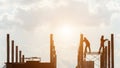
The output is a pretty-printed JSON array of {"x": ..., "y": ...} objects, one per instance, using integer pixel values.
[{"x": 29, "y": 23}]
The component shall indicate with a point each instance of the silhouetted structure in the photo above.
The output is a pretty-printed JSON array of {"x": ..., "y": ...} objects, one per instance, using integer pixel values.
[
  {"x": 106, "y": 55},
  {"x": 8, "y": 48},
  {"x": 102, "y": 41},
  {"x": 16, "y": 54},
  {"x": 82, "y": 63},
  {"x": 80, "y": 53},
  {"x": 30, "y": 63}
]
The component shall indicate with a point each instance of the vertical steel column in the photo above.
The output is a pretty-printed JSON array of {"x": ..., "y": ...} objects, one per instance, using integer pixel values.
[
  {"x": 20, "y": 55},
  {"x": 108, "y": 54},
  {"x": 55, "y": 61},
  {"x": 23, "y": 57},
  {"x": 16, "y": 54},
  {"x": 105, "y": 54},
  {"x": 8, "y": 48},
  {"x": 51, "y": 47},
  {"x": 112, "y": 50},
  {"x": 52, "y": 51},
  {"x": 102, "y": 60},
  {"x": 12, "y": 56},
  {"x": 81, "y": 51}
]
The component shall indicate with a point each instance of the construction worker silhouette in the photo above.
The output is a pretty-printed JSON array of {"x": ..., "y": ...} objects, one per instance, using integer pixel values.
[
  {"x": 102, "y": 41},
  {"x": 87, "y": 46}
]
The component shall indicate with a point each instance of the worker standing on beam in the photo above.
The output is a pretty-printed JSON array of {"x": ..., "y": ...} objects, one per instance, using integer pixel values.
[
  {"x": 87, "y": 46},
  {"x": 102, "y": 41}
]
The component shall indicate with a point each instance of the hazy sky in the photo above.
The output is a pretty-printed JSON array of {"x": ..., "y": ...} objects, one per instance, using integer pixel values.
[{"x": 31, "y": 21}]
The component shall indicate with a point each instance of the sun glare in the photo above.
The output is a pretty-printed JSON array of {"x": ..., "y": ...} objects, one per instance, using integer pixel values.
[{"x": 65, "y": 31}]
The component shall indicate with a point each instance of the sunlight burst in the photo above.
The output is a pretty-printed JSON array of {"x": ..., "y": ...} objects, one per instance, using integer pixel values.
[{"x": 65, "y": 32}]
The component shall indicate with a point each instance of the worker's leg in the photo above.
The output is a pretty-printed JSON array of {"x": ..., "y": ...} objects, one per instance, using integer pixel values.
[
  {"x": 85, "y": 51},
  {"x": 89, "y": 49},
  {"x": 99, "y": 49}
]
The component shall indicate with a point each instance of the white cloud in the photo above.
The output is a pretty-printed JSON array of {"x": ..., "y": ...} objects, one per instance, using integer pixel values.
[{"x": 76, "y": 12}]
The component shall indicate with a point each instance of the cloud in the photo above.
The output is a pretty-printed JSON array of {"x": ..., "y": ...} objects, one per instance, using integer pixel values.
[
  {"x": 8, "y": 23},
  {"x": 71, "y": 12},
  {"x": 22, "y": 2}
]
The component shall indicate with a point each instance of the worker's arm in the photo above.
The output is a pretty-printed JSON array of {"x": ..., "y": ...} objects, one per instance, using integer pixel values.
[{"x": 106, "y": 40}]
